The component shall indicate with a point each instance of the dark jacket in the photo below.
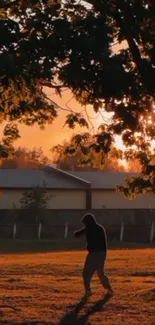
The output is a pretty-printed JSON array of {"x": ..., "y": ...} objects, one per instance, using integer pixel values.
[{"x": 95, "y": 237}]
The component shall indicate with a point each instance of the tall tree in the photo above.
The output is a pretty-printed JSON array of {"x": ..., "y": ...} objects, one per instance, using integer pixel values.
[
  {"x": 67, "y": 157},
  {"x": 35, "y": 199},
  {"x": 25, "y": 158},
  {"x": 70, "y": 44}
]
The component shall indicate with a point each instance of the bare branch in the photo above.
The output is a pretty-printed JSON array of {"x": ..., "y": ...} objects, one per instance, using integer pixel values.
[
  {"x": 51, "y": 85},
  {"x": 58, "y": 106},
  {"x": 106, "y": 120},
  {"x": 69, "y": 102},
  {"x": 87, "y": 115}
]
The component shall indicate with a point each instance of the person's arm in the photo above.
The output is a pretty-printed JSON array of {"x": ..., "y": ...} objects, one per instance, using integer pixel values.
[{"x": 79, "y": 232}]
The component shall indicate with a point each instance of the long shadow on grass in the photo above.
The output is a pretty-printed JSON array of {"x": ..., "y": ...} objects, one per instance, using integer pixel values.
[{"x": 71, "y": 318}]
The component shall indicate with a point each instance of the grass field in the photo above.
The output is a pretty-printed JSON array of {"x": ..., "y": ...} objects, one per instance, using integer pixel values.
[{"x": 46, "y": 288}]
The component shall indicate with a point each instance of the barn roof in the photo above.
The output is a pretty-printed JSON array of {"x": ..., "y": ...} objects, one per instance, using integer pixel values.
[
  {"x": 52, "y": 177},
  {"x": 55, "y": 178},
  {"x": 104, "y": 180}
]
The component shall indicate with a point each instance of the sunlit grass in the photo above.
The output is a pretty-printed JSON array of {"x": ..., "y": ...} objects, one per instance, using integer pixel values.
[{"x": 46, "y": 287}]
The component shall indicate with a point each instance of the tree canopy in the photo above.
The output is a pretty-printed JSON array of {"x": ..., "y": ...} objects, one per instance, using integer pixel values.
[
  {"x": 71, "y": 45},
  {"x": 35, "y": 199},
  {"x": 78, "y": 161},
  {"x": 24, "y": 158}
]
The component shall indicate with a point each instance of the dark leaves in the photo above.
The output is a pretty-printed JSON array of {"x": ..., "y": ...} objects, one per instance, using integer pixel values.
[
  {"x": 35, "y": 199},
  {"x": 73, "y": 119},
  {"x": 43, "y": 42}
]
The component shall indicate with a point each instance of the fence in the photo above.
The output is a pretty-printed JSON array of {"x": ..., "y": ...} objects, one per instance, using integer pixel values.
[
  {"x": 121, "y": 225},
  {"x": 120, "y": 232},
  {"x": 73, "y": 216}
]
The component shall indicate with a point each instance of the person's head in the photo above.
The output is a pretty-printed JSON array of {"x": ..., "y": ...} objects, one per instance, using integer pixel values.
[{"x": 88, "y": 219}]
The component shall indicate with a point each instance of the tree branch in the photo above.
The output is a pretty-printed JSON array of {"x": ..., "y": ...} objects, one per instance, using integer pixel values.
[
  {"x": 50, "y": 85},
  {"x": 58, "y": 106},
  {"x": 125, "y": 25}
]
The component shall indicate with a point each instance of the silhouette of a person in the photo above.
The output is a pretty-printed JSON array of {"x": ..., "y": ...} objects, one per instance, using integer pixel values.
[{"x": 97, "y": 250}]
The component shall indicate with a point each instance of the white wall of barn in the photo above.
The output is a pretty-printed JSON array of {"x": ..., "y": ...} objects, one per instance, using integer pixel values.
[
  {"x": 110, "y": 199},
  {"x": 68, "y": 199},
  {"x": 76, "y": 199},
  {"x": 58, "y": 199}
]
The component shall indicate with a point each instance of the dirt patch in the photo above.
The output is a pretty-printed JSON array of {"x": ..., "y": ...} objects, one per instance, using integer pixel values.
[
  {"x": 12, "y": 280},
  {"x": 148, "y": 295},
  {"x": 145, "y": 273}
]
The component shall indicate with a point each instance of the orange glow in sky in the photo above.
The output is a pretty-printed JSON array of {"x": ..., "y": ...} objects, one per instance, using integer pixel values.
[{"x": 56, "y": 132}]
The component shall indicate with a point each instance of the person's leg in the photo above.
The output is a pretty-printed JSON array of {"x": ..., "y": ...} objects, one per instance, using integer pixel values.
[
  {"x": 104, "y": 280},
  {"x": 101, "y": 274},
  {"x": 88, "y": 271}
]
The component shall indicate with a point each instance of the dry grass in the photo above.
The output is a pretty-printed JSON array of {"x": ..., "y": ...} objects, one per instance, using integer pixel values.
[{"x": 46, "y": 288}]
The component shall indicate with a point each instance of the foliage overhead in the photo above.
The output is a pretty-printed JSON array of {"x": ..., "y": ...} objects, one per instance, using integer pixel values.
[
  {"x": 69, "y": 157},
  {"x": 71, "y": 44}
]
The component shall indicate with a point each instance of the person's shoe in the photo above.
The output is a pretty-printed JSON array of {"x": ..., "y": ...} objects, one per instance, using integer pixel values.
[
  {"x": 109, "y": 294},
  {"x": 87, "y": 294}
]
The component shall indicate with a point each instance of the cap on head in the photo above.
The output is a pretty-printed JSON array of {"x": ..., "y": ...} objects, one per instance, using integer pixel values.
[{"x": 88, "y": 219}]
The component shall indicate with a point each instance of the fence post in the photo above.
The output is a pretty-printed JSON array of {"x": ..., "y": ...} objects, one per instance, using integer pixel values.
[
  {"x": 14, "y": 230},
  {"x": 39, "y": 230},
  {"x": 66, "y": 231},
  {"x": 122, "y": 231},
  {"x": 152, "y": 232}
]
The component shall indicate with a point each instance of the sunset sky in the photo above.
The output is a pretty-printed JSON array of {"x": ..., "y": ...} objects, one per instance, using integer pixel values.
[
  {"x": 56, "y": 132},
  {"x": 52, "y": 134}
]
